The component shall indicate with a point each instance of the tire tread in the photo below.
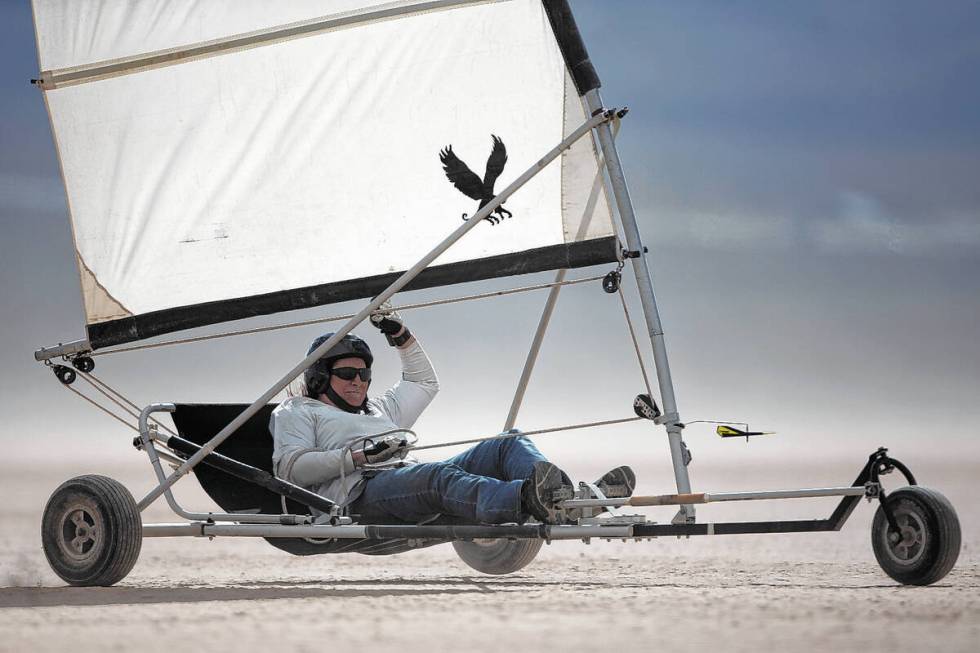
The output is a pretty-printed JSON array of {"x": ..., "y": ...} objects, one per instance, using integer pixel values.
[
  {"x": 505, "y": 557},
  {"x": 946, "y": 539},
  {"x": 122, "y": 522}
]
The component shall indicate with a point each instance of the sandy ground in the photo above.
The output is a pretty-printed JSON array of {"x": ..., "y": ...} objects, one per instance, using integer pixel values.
[{"x": 738, "y": 593}]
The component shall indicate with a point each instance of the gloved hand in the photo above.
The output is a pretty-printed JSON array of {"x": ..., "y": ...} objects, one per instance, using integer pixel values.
[
  {"x": 380, "y": 450},
  {"x": 389, "y": 323}
]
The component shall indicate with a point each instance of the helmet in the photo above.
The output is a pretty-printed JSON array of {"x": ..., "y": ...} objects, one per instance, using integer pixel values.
[{"x": 317, "y": 376}]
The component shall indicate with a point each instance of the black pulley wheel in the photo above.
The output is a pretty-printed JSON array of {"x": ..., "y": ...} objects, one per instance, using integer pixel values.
[
  {"x": 91, "y": 531},
  {"x": 497, "y": 556},
  {"x": 65, "y": 374},
  {"x": 84, "y": 364},
  {"x": 926, "y": 546}
]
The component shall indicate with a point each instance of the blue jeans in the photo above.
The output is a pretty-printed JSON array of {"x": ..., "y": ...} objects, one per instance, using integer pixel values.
[{"x": 480, "y": 485}]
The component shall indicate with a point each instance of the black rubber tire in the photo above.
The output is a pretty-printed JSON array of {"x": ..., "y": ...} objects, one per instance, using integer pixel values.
[
  {"x": 497, "y": 556},
  {"x": 91, "y": 531},
  {"x": 930, "y": 542}
]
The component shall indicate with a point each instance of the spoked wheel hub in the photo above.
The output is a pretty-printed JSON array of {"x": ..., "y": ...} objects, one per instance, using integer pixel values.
[
  {"x": 907, "y": 544},
  {"x": 79, "y": 532}
]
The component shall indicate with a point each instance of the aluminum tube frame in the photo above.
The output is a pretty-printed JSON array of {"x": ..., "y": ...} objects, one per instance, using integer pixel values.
[
  {"x": 644, "y": 283},
  {"x": 398, "y": 284},
  {"x": 715, "y": 497},
  {"x": 66, "y": 349},
  {"x": 878, "y": 463},
  {"x": 803, "y": 493},
  {"x": 148, "y": 436},
  {"x": 532, "y": 354},
  {"x": 168, "y": 457},
  {"x": 381, "y": 532},
  {"x": 450, "y": 533},
  {"x": 549, "y": 305}
]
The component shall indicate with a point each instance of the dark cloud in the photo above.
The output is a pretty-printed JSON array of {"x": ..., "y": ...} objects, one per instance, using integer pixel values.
[{"x": 760, "y": 108}]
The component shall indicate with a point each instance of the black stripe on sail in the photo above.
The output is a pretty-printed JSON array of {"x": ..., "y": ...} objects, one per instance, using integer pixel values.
[
  {"x": 149, "y": 325},
  {"x": 571, "y": 45}
]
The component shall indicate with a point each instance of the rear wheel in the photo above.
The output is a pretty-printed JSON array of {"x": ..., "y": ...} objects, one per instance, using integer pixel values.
[
  {"x": 497, "y": 556},
  {"x": 91, "y": 531},
  {"x": 926, "y": 546}
]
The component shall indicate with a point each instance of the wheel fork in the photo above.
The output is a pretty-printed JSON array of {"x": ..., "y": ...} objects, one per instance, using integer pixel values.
[{"x": 881, "y": 463}]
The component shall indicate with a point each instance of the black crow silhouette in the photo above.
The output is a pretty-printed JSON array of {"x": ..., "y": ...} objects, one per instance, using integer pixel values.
[{"x": 466, "y": 181}]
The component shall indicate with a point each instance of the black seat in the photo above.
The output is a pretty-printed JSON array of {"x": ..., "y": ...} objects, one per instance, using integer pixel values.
[{"x": 252, "y": 444}]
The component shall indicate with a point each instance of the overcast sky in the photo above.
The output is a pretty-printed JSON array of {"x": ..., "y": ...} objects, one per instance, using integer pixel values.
[{"x": 807, "y": 179}]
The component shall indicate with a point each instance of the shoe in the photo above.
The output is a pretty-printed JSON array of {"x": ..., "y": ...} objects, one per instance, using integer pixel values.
[
  {"x": 615, "y": 484},
  {"x": 618, "y": 482},
  {"x": 538, "y": 491}
]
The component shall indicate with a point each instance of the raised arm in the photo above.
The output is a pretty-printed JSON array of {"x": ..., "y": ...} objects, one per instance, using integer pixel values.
[{"x": 404, "y": 403}]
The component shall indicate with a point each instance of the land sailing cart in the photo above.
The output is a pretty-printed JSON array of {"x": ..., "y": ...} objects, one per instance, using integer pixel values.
[{"x": 204, "y": 150}]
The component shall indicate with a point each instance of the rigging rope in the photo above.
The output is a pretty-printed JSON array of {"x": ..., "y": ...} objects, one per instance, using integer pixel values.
[
  {"x": 102, "y": 408},
  {"x": 289, "y": 325},
  {"x": 98, "y": 389},
  {"x": 636, "y": 344},
  {"x": 135, "y": 412},
  {"x": 556, "y": 429},
  {"x": 504, "y": 436}
]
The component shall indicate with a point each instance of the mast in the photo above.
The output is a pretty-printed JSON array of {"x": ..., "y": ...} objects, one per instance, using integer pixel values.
[{"x": 588, "y": 83}]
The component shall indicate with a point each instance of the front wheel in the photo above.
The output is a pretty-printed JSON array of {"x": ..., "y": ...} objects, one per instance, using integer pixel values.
[
  {"x": 91, "y": 531},
  {"x": 926, "y": 546},
  {"x": 497, "y": 556}
]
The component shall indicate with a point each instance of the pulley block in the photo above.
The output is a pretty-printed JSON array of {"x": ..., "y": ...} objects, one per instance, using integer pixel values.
[
  {"x": 64, "y": 373},
  {"x": 83, "y": 364},
  {"x": 644, "y": 406},
  {"x": 610, "y": 282}
]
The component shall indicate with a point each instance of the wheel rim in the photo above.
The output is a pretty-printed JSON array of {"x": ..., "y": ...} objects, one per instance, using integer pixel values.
[
  {"x": 908, "y": 544},
  {"x": 79, "y": 537}
]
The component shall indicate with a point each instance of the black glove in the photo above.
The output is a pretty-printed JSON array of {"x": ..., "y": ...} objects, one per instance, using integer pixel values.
[
  {"x": 390, "y": 323},
  {"x": 381, "y": 450}
]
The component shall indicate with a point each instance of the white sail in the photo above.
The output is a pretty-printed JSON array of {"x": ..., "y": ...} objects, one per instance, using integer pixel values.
[{"x": 218, "y": 151}]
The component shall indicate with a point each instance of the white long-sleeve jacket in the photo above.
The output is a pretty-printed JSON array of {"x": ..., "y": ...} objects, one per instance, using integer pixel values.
[{"x": 310, "y": 436}]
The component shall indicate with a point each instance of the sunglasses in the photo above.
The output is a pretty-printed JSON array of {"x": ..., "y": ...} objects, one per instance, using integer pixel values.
[{"x": 348, "y": 373}]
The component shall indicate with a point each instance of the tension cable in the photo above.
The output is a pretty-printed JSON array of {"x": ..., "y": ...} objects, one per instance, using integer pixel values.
[{"x": 514, "y": 433}]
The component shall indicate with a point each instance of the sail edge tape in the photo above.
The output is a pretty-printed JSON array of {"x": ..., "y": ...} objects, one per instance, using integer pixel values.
[
  {"x": 148, "y": 325},
  {"x": 572, "y": 46},
  {"x": 53, "y": 79}
]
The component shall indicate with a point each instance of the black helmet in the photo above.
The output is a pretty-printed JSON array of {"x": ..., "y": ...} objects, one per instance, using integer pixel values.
[{"x": 317, "y": 376}]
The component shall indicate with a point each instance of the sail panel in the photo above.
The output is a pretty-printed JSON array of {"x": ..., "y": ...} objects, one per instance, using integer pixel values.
[{"x": 311, "y": 162}]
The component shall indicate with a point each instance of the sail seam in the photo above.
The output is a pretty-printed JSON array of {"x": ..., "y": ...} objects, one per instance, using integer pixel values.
[{"x": 59, "y": 78}]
